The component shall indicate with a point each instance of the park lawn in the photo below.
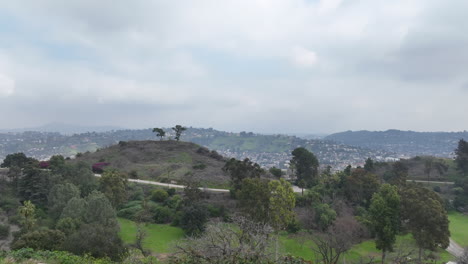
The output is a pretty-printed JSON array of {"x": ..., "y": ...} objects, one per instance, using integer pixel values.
[
  {"x": 159, "y": 238},
  {"x": 296, "y": 247},
  {"x": 459, "y": 228}
]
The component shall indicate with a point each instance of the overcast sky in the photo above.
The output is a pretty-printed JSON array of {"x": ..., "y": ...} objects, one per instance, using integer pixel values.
[{"x": 255, "y": 65}]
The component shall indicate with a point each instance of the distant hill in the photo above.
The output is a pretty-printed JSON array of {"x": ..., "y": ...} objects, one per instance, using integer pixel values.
[
  {"x": 408, "y": 143},
  {"x": 164, "y": 161},
  {"x": 267, "y": 150}
]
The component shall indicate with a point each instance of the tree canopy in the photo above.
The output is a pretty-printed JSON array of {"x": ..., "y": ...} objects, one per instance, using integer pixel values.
[{"x": 305, "y": 165}]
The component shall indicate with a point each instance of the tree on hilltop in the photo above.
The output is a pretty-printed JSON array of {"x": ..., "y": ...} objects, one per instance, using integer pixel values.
[
  {"x": 159, "y": 132},
  {"x": 178, "y": 129}
]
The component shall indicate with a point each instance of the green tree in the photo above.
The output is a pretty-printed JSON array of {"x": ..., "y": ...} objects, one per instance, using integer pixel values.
[
  {"x": 461, "y": 158},
  {"x": 99, "y": 211},
  {"x": 276, "y": 172},
  {"x": 240, "y": 170},
  {"x": 159, "y": 195},
  {"x": 28, "y": 216},
  {"x": 193, "y": 219},
  {"x": 81, "y": 175},
  {"x": 306, "y": 166},
  {"x": 59, "y": 196},
  {"x": 56, "y": 163},
  {"x": 113, "y": 185},
  {"x": 75, "y": 209},
  {"x": 178, "y": 129},
  {"x": 384, "y": 213},
  {"x": 424, "y": 214},
  {"x": 282, "y": 203},
  {"x": 360, "y": 186},
  {"x": 254, "y": 199},
  {"x": 35, "y": 185},
  {"x": 324, "y": 216},
  {"x": 159, "y": 132},
  {"x": 398, "y": 174},
  {"x": 17, "y": 160},
  {"x": 369, "y": 165}
]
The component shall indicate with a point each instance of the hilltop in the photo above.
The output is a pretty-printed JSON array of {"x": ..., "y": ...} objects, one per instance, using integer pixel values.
[
  {"x": 408, "y": 143},
  {"x": 266, "y": 150},
  {"x": 163, "y": 161}
]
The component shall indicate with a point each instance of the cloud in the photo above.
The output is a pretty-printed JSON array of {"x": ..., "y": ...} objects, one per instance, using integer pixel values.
[
  {"x": 318, "y": 66},
  {"x": 303, "y": 57},
  {"x": 7, "y": 86}
]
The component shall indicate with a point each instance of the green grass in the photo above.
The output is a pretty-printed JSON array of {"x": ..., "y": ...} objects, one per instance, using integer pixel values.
[
  {"x": 298, "y": 248},
  {"x": 459, "y": 228},
  {"x": 159, "y": 238}
]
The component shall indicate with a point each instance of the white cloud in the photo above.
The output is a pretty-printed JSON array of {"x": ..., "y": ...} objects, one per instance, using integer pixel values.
[
  {"x": 7, "y": 86},
  {"x": 303, "y": 57},
  {"x": 237, "y": 57}
]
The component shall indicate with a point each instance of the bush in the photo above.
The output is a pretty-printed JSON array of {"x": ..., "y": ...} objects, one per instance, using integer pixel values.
[
  {"x": 174, "y": 202},
  {"x": 44, "y": 164},
  {"x": 193, "y": 219},
  {"x": 199, "y": 166},
  {"x": 159, "y": 195},
  {"x": 99, "y": 167},
  {"x": 294, "y": 226},
  {"x": 129, "y": 212},
  {"x": 4, "y": 231},
  {"x": 436, "y": 189},
  {"x": 171, "y": 191},
  {"x": 216, "y": 211},
  {"x": 133, "y": 174},
  {"x": 47, "y": 239},
  {"x": 163, "y": 215}
]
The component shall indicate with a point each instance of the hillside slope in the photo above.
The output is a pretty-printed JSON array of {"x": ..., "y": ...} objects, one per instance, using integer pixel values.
[{"x": 164, "y": 161}]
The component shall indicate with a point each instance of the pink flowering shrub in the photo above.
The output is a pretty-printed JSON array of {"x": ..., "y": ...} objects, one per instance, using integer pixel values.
[
  {"x": 44, "y": 164},
  {"x": 99, "y": 167}
]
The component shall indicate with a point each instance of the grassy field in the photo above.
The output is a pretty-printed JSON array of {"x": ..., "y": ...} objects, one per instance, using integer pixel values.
[
  {"x": 459, "y": 228},
  {"x": 159, "y": 237},
  {"x": 301, "y": 248}
]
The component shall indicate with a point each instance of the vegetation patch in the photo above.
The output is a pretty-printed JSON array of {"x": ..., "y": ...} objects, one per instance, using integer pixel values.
[
  {"x": 459, "y": 228},
  {"x": 159, "y": 237}
]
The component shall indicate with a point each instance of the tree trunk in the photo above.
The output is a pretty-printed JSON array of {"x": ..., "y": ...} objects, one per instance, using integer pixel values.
[
  {"x": 383, "y": 256},
  {"x": 276, "y": 248},
  {"x": 420, "y": 255}
]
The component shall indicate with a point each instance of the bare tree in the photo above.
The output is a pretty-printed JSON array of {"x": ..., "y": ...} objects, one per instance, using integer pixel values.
[
  {"x": 224, "y": 243},
  {"x": 337, "y": 239}
]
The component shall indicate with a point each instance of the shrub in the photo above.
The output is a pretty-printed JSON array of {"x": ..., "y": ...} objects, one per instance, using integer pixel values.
[
  {"x": 130, "y": 212},
  {"x": 437, "y": 189},
  {"x": 174, "y": 202},
  {"x": 47, "y": 239},
  {"x": 216, "y": 211},
  {"x": 171, "y": 191},
  {"x": 163, "y": 215},
  {"x": 193, "y": 219},
  {"x": 199, "y": 166},
  {"x": 159, "y": 195},
  {"x": 44, "y": 164},
  {"x": 99, "y": 167},
  {"x": 215, "y": 155},
  {"x": 133, "y": 174}
]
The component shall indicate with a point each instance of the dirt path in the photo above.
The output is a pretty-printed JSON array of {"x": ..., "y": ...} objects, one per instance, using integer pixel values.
[
  {"x": 455, "y": 249},
  {"x": 170, "y": 185}
]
